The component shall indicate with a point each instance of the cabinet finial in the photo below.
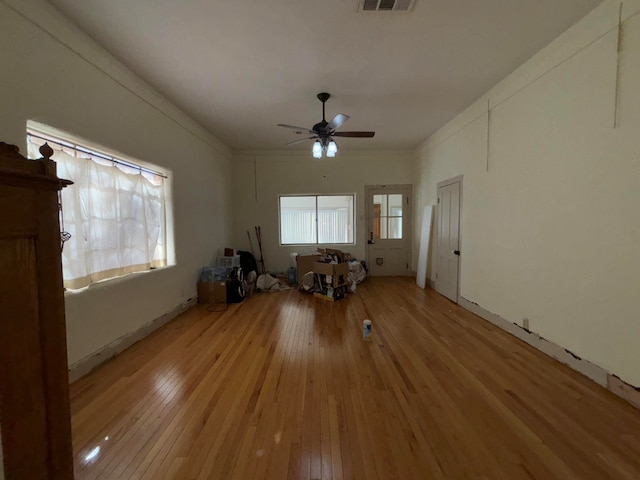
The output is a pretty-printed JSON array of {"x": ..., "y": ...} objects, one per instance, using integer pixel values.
[{"x": 46, "y": 151}]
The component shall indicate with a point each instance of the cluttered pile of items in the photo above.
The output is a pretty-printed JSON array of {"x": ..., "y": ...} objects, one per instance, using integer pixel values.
[
  {"x": 329, "y": 274},
  {"x": 234, "y": 278},
  {"x": 231, "y": 280}
]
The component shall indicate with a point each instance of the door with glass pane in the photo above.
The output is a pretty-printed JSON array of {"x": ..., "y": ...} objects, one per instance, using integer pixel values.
[{"x": 388, "y": 229}]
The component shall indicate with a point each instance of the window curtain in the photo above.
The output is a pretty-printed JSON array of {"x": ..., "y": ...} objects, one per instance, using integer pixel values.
[
  {"x": 299, "y": 226},
  {"x": 332, "y": 226},
  {"x": 114, "y": 213}
]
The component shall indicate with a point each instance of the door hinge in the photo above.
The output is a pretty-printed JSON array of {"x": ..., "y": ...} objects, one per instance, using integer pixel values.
[{"x": 438, "y": 199}]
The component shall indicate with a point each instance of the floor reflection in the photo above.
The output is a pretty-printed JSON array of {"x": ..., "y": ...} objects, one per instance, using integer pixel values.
[{"x": 93, "y": 454}]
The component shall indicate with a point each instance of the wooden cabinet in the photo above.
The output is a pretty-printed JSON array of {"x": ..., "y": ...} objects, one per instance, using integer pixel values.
[{"x": 34, "y": 386}]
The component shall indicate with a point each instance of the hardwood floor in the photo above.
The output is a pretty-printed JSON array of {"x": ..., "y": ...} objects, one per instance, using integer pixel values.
[{"x": 282, "y": 386}]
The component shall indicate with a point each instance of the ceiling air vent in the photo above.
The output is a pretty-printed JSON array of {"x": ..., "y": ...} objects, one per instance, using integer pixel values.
[{"x": 385, "y": 5}]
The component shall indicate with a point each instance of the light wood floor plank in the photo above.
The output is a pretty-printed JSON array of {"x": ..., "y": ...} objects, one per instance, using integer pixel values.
[{"x": 283, "y": 386}]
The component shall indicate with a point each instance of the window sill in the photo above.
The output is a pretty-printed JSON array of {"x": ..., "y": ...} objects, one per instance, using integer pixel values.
[{"x": 109, "y": 282}]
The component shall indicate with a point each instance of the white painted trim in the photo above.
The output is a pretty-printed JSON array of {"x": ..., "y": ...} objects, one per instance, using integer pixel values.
[
  {"x": 342, "y": 156},
  {"x": 601, "y": 21},
  {"x": 625, "y": 391},
  {"x": 590, "y": 370},
  {"x": 91, "y": 362},
  {"x": 450, "y": 181},
  {"x": 405, "y": 188},
  {"x": 53, "y": 23}
]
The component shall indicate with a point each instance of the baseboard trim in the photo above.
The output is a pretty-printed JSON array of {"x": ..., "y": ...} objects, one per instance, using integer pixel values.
[
  {"x": 596, "y": 373},
  {"x": 89, "y": 363},
  {"x": 431, "y": 284},
  {"x": 624, "y": 390}
]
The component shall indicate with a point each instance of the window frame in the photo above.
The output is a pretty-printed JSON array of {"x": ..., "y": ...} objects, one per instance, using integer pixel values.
[
  {"x": 317, "y": 231},
  {"x": 45, "y": 133}
]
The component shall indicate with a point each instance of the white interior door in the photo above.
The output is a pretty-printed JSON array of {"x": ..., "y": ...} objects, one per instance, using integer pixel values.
[
  {"x": 389, "y": 228},
  {"x": 448, "y": 239}
]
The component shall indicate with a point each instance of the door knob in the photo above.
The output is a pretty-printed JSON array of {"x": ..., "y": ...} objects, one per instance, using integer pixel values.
[{"x": 455, "y": 252}]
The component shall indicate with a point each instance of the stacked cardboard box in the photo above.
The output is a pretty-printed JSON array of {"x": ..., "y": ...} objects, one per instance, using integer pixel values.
[
  {"x": 304, "y": 264},
  {"x": 338, "y": 255},
  {"x": 212, "y": 292},
  {"x": 333, "y": 277},
  {"x": 212, "y": 287},
  {"x": 335, "y": 274}
]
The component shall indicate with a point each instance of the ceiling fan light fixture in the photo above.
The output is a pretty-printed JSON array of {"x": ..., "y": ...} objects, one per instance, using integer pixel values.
[
  {"x": 324, "y": 131},
  {"x": 317, "y": 149}
]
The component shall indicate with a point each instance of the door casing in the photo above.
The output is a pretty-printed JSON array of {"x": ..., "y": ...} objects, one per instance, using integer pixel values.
[
  {"x": 445, "y": 183},
  {"x": 405, "y": 189}
]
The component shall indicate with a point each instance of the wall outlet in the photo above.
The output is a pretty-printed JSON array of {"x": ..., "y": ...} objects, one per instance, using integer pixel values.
[{"x": 525, "y": 323}]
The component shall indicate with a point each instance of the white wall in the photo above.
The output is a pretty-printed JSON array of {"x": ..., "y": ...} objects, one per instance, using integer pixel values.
[
  {"x": 259, "y": 177},
  {"x": 550, "y": 230},
  {"x": 54, "y": 74}
]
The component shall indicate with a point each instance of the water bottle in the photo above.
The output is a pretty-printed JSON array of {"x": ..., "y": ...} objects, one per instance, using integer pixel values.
[
  {"x": 291, "y": 274},
  {"x": 366, "y": 330}
]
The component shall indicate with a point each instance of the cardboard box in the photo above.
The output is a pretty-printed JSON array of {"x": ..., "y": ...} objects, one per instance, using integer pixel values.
[
  {"x": 333, "y": 294},
  {"x": 339, "y": 254},
  {"x": 304, "y": 264},
  {"x": 212, "y": 292},
  {"x": 323, "y": 268},
  {"x": 324, "y": 297},
  {"x": 339, "y": 272},
  {"x": 220, "y": 292}
]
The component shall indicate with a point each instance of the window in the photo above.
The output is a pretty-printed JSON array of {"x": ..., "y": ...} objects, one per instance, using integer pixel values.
[
  {"x": 387, "y": 216},
  {"x": 316, "y": 219},
  {"x": 115, "y": 212}
]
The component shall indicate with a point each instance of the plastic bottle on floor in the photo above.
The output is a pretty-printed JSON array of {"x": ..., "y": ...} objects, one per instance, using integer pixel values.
[{"x": 366, "y": 330}]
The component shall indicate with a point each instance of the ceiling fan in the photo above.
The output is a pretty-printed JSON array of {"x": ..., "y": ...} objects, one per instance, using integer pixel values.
[{"x": 324, "y": 132}]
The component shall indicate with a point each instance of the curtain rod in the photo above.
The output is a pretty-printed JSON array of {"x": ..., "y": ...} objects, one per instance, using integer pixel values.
[{"x": 66, "y": 144}]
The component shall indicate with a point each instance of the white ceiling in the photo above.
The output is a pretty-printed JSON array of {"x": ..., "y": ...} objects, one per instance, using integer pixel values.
[{"x": 240, "y": 67}]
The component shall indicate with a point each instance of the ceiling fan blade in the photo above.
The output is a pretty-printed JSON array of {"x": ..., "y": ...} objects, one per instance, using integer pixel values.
[
  {"x": 354, "y": 134},
  {"x": 301, "y": 140},
  {"x": 299, "y": 129},
  {"x": 339, "y": 120}
]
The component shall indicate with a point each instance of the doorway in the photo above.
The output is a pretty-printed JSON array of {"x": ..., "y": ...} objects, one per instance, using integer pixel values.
[
  {"x": 388, "y": 229},
  {"x": 448, "y": 237}
]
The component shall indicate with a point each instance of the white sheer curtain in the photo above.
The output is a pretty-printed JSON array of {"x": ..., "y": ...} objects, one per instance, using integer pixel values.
[
  {"x": 297, "y": 226},
  {"x": 114, "y": 213}
]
